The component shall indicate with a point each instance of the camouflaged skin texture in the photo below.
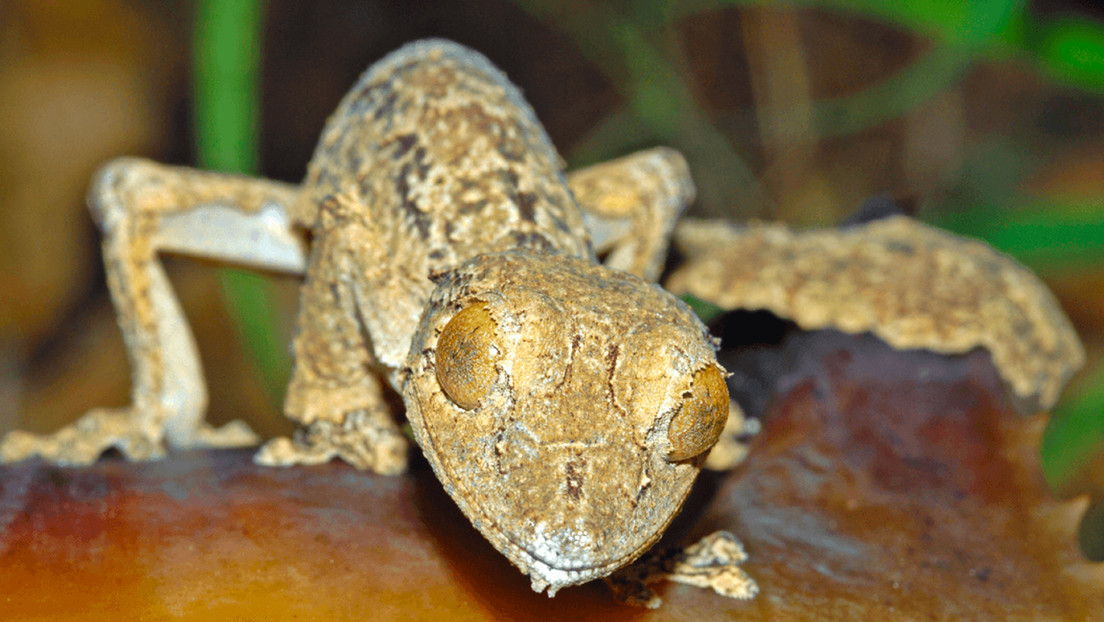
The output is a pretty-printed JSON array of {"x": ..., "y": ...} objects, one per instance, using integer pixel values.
[
  {"x": 911, "y": 285},
  {"x": 451, "y": 166},
  {"x": 563, "y": 464}
]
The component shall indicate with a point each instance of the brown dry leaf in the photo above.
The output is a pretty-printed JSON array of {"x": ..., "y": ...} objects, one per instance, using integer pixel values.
[{"x": 884, "y": 485}]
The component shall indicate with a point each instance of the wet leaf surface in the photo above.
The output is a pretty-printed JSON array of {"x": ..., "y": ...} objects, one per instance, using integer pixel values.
[{"x": 884, "y": 485}]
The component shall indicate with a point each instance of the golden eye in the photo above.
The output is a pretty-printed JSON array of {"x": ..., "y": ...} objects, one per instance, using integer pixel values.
[
  {"x": 466, "y": 356},
  {"x": 698, "y": 424}
]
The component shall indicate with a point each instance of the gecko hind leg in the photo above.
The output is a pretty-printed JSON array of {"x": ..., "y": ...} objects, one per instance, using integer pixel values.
[
  {"x": 630, "y": 206},
  {"x": 143, "y": 208},
  {"x": 367, "y": 439}
]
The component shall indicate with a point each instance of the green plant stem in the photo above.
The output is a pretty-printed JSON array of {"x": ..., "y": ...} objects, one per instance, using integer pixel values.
[
  {"x": 227, "y": 49},
  {"x": 1075, "y": 434}
]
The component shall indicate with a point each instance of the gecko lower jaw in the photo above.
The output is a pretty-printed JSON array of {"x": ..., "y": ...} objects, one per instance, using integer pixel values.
[
  {"x": 566, "y": 548},
  {"x": 543, "y": 577},
  {"x": 563, "y": 558}
]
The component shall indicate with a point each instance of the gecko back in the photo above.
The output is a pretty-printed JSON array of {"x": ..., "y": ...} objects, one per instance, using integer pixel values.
[{"x": 441, "y": 157}]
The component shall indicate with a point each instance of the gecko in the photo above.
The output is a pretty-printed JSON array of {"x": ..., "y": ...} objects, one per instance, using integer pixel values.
[{"x": 566, "y": 404}]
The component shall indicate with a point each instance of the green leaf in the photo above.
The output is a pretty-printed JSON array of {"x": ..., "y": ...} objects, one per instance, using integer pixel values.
[{"x": 705, "y": 310}]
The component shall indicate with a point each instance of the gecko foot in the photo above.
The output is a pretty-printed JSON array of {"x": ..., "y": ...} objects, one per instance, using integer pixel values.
[
  {"x": 367, "y": 439},
  {"x": 83, "y": 441},
  {"x": 713, "y": 562}
]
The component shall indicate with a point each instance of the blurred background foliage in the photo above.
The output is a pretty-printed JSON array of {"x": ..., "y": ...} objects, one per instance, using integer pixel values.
[{"x": 983, "y": 117}]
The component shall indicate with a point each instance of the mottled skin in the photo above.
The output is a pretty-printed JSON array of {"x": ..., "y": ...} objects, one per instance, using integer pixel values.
[{"x": 578, "y": 401}]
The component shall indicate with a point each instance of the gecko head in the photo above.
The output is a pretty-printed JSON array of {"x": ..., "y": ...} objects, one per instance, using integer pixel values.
[{"x": 566, "y": 407}]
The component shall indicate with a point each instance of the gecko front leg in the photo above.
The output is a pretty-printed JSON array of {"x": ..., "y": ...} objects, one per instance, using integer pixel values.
[{"x": 143, "y": 208}]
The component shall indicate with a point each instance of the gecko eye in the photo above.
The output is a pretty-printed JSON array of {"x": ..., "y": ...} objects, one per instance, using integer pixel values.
[
  {"x": 466, "y": 356},
  {"x": 699, "y": 422}
]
